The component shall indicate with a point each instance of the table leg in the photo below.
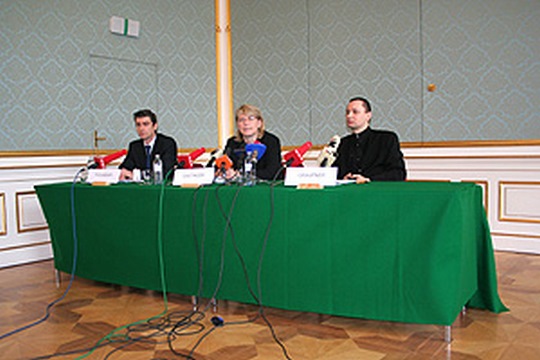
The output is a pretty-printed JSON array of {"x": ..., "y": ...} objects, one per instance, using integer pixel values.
[
  {"x": 448, "y": 334},
  {"x": 57, "y": 278}
]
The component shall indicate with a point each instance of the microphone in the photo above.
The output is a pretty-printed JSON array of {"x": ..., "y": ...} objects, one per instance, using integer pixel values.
[
  {"x": 223, "y": 163},
  {"x": 329, "y": 152},
  {"x": 294, "y": 158},
  {"x": 101, "y": 162},
  {"x": 186, "y": 161},
  {"x": 213, "y": 156},
  {"x": 255, "y": 151}
]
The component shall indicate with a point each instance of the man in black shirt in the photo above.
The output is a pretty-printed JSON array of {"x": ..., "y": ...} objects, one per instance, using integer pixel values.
[{"x": 367, "y": 154}]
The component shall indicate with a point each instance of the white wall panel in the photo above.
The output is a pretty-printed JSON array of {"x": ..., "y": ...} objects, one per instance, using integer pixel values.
[
  {"x": 26, "y": 236},
  {"x": 509, "y": 176},
  {"x": 520, "y": 202}
]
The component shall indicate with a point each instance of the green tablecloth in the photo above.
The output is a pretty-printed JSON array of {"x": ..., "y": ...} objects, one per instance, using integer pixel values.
[{"x": 409, "y": 251}]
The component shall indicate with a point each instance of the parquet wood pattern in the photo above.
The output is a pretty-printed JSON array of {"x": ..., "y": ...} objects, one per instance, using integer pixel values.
[{"x": 91, "y": 310}]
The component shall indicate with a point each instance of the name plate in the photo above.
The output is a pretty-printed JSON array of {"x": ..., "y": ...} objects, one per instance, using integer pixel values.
[
  {"x": 196, "y": 176},
  {"x": 104, "y": 176},
  {"x": 326, "y": 176}
]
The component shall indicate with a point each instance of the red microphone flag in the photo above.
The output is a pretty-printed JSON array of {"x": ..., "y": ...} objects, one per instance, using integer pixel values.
[
  {"x": 294, "y": 158},
  {"x": 186, "y": 161},
  {"x": 103, "y": 161}
]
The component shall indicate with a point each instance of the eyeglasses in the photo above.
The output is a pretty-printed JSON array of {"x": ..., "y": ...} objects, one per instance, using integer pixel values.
[{"x": 247, "y": 118}]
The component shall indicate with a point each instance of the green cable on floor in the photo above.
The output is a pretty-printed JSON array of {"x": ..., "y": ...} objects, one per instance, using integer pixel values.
[{"x": 113, "y": 336}]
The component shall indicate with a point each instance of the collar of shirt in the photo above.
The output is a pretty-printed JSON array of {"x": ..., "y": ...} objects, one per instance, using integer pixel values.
[
  {"x": 151, "y": 143},
  {"x": 362, "y": 135}
]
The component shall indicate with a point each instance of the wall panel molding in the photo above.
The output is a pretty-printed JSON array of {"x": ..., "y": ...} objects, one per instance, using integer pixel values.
[
  {"x": 29, "y": 214},
  {"x": 519, "y": 201},
  {"x": 3, "y": 222}
]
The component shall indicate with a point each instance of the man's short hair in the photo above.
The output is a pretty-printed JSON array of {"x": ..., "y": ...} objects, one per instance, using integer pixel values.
[
  {"x": 145, "y": 113},
  {"x": 367, "y": 105}
]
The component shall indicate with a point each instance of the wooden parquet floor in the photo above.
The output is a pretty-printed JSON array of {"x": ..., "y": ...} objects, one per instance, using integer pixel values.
[{"x": 92, "y": 310}]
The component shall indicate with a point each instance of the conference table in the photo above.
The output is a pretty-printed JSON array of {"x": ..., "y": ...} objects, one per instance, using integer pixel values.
[{"x": 414, "y": 252}]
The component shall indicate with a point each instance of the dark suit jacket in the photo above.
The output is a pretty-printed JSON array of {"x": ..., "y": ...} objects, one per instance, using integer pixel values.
[
  {"x": 165, "y": 146},
  {"x": 270, "y": 162},
  {"x": 374, "y": 154}
]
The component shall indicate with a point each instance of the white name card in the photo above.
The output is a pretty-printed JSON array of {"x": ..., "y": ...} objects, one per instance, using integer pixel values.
[
  {"x": 197, "y": 176},
  {"x": 108, "y": 176},
  {"x": 326, "y": 176}
]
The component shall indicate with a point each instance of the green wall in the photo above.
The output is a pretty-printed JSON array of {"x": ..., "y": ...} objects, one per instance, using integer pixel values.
[
  {"x": 64, "y": 75},
  {"x": 300, "y": 61}
]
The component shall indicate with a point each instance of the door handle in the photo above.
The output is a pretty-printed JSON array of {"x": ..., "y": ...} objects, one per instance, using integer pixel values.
[{"x": 97, "y": 139}]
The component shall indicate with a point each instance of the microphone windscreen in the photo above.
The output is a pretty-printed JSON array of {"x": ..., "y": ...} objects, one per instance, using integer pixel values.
[
  {"x": 184, "y": 162},
  {"x": 224, "y": 162},
  {"x": 259, "y": 148},
  {"x": 305, "y": 147},
  {"x": 294, "y": 157},
  {"x": 107, "y": 159},
  {"x": 334, "y": 142},
  {"x": 101, "y": 162},
  {"x": 328, "y": 154},
  {"x": 195, "y": 154}
]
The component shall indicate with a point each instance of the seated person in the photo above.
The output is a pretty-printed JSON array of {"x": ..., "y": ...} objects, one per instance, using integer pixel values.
[
  {"x": 142, "y": 152},
  {"x": 250, "y": 130},
  {"x": 367, "y": 154}
]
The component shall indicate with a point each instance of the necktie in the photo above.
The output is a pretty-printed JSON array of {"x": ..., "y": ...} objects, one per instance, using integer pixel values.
[{"x": 147, "y": 148}]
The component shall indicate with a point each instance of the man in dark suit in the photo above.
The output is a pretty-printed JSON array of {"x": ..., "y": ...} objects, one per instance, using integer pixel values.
[
  {"x": 367, "y": 154},
  {"x": 142, "y": 152}
]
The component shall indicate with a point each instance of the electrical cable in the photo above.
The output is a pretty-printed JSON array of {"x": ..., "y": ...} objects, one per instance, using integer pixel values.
[
  {"x": 223, "y": 242},
  {"x": 160, "y": 328},
  {"x": 193, "y": 318},
  {"x": 221, "y": 268},
  {"x": 259, "y": 271},
  {"x": 237, "y": 251},
  {"x": 228, "y": 225},
  {"x": 277, "y": 174},
  {"x": 180, "y": 327},
  {"x": 113, "y": 334},
  {"x": 201, "y": 259},
  {"x": 74, "y": 264},
  {"x": 159, "y": 324}
]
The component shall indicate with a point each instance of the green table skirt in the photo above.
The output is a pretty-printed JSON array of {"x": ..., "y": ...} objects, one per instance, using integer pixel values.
[{"x": 407, "y": 252}]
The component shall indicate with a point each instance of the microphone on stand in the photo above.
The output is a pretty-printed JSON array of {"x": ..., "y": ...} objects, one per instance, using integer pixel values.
[
  {"x": 214, "y": 155},
  {"x": 294, "y": 158},
  {"x": 255, "y": 151},
  {"x": 101, "y": 162},
  {"x": 186, "y": 161},
  {"x": 329, "y": 152},
  {"x": 223, "y": 163}
]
